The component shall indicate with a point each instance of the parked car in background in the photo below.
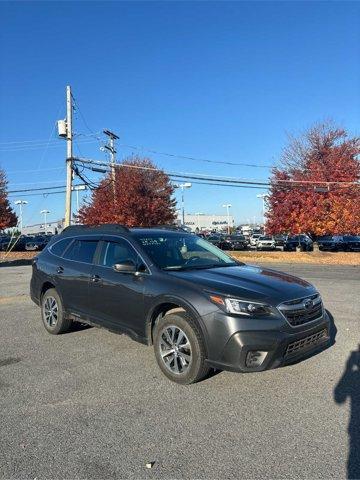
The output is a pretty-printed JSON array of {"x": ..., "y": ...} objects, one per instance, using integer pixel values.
[
  {"x": 280, "y": 240},
  {"x": 199, "y": 308},
  {"x": 37, "y": 243},
  {"x": 351, "y": 243},
  {"x": 214, "y": 239},
  {"x": 303, "y": 241},
  {"x": 265, "y": 242},
  {"x": 18, "y": 243},
  {"x": 331, "y": 243},
  {"x": 254, "y": 239},
  {"x": 233, "y": 242},
  {"x": 4, "y": 243}
]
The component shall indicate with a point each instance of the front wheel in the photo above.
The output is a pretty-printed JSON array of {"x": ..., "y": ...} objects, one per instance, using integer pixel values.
[
  {"x": 180, "y": 349},
  {"x": 52, "y": 313}
]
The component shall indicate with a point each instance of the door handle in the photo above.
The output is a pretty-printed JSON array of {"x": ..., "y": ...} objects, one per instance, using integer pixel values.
[
  {"x": 60, "y": 270},
  {"x": 95, "y": 278}
]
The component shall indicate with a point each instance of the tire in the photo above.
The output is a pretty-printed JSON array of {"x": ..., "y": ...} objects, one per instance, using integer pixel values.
[
  {"x": 52, "y": 313},
  {"x": 189, "y": 361}
]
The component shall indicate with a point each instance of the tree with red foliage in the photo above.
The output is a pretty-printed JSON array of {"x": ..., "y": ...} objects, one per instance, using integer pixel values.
[
  {"x": 7, "y": 216},
  {"x": 141, "y": 195},
  {"x": 324, "y": 153}
]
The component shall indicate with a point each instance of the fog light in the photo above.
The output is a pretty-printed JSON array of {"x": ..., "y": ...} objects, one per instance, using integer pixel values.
[{"x": 255, "y": 358}]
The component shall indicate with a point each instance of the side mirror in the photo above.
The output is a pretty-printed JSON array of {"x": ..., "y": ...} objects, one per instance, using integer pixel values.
[{"x": 126, "y": 267}]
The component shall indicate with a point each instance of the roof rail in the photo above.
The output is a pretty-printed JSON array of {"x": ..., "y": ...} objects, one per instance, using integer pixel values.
[
  {"x": 165, "y": 227},
  {"x": 103, "y": 228}
]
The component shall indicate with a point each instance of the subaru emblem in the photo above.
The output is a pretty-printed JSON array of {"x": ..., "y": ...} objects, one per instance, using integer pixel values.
[{"x": 308, "y": 304}]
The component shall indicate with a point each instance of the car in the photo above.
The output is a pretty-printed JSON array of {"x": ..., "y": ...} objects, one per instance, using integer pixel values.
[
  {"x": 234, "y": 242},
  {"x": 279, "y": 240},
  {"x": 37, "y": 243},
  {"x": 4, "y": 243},
  {"x": 18, "y": 244},
  {"x": 351, "y": 243},
  {"x": 332, "y": 243},
  {"x": 303, "y": 241},
  {"x": 215, "y": 239},
  {"x": 266, "y": 242},
  {"x": 254, "y": 239},
  {"x": 199, "y": 308}
]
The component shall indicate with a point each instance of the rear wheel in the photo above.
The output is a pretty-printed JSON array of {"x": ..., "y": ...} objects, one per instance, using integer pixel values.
[
  {"x": 180, "y": 349},
  {"x": 52, "y": 313}
]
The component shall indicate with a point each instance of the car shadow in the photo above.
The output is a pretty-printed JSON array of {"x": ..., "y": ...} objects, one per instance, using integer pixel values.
[
  {"x": 348, "y": 388},
  {"x": 79, "y": 327}
]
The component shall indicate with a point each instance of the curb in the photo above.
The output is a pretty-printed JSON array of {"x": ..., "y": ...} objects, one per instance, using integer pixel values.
[{"x": 16, "y": 263}]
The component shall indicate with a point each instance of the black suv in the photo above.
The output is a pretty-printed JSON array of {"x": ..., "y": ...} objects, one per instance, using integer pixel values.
[
  {"x": 197, "y": 306},
  {"x": 303, "y": 241},
  {"x": 331, "y": 243}
]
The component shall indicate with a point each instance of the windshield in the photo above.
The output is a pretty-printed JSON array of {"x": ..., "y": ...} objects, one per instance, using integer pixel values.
[
  {"x": 265, "y": 237},
  {"x": 177, "y": 251}
]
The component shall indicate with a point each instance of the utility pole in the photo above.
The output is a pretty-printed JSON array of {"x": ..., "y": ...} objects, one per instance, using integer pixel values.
[
  {"x": 69, "y": 156},
  {"x": 111, "y": 148}
]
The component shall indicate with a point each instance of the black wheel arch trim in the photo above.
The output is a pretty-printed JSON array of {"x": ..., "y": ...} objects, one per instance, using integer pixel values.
[{"x": 181, "y": 302}]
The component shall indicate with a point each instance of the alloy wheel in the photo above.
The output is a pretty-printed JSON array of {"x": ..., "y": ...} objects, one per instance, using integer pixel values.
[
  {"x": 175, "y": 349},
  {"x": 51, "y": 311}
]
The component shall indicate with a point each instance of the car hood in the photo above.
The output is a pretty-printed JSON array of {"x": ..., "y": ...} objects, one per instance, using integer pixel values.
[{"x": 249, "y": 282}]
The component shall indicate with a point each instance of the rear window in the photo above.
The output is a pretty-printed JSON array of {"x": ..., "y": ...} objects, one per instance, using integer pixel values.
[
  {"x": 58, "y": 248},
  {"x": 81, "y": 251}
]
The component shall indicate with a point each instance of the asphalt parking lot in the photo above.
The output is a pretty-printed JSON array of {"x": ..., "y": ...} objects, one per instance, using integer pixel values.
[{"x": 92, "y": 404}]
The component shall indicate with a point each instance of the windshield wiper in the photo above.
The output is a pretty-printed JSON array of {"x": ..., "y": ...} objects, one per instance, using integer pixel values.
[{"x": 200, "y": 267}]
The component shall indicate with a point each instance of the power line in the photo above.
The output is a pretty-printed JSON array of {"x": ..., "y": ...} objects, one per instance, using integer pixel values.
[
  {"x": 191, "y": 175},
  {"x": 186, "y": 157},
  {"x": 39, "y": 189},
  {"x": 52, "y": 144},
  {"x": 36, "y": 194}
]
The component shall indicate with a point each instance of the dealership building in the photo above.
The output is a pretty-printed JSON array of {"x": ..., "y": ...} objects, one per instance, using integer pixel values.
[{"x": 199, "y": 221}]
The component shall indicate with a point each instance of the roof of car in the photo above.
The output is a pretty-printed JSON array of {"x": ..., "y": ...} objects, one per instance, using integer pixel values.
[{"x": 118, "y": 229}]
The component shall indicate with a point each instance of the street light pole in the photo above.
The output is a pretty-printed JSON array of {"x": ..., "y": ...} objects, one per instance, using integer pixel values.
[
  {"x": 76, "y": 188},
  {"x": 45, "y": 212},
  {"x": 21, "y": 203},
  {"x": 228, "y": 206},
  {"x": 183, "y": 186},
  {"x": 263, "y": 197}
]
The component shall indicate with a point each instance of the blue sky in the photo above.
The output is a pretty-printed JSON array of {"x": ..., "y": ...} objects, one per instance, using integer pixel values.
[{"x": 217, "y": 80}]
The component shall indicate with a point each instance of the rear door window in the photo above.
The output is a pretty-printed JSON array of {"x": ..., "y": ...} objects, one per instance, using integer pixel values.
[
  {"x": 59, "y": 247},
  {"x": 81, "y": 251}
]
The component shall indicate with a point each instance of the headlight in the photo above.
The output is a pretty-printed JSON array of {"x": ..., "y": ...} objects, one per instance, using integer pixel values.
[{"x": 240, "y": 307}]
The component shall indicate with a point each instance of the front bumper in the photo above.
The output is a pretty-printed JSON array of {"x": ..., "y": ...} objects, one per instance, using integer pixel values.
[{"x": 282, "y": 346}]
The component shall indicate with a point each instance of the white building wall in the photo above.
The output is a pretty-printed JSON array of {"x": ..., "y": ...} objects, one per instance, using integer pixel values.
[{"x": 207, "y": 222}]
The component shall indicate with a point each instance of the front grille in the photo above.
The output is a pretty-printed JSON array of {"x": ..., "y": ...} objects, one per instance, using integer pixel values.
[
  {"x": 303, "y": 310},
  {"x": 306, "y": 342}
]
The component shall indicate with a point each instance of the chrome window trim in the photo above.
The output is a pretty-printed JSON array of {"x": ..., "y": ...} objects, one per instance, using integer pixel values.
[{"x": 100, "y": 239}]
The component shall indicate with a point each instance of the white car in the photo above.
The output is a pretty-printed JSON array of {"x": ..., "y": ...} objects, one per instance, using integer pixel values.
[
  {"x": 266, "y": 242},
  {"x": 254, "y": 239}
]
